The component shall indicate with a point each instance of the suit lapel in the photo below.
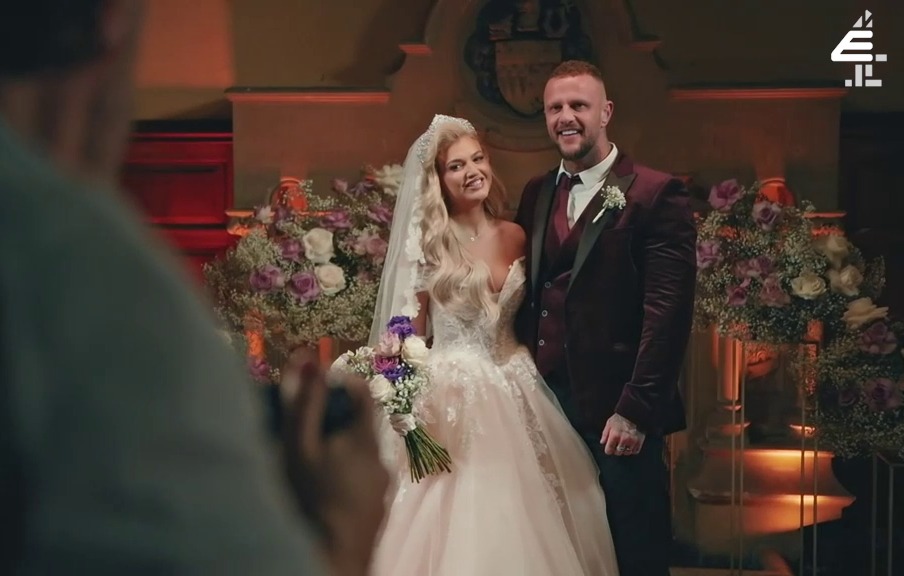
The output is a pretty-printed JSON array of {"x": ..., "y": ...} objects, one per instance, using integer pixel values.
[
  {"x": 592, "y": 229},
  {"x": 541, "y": 217}
]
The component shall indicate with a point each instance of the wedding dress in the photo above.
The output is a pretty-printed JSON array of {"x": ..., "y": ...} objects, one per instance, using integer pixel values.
[{"x": 523, "y": 497}]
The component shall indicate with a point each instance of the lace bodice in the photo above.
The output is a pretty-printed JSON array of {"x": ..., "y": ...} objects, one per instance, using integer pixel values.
[{"x": 481, "y": 336}]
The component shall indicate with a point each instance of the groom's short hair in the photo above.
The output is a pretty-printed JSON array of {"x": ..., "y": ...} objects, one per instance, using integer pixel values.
[
  {"x": 570, "y": 68},
  {"x": 49, "y": 35}
]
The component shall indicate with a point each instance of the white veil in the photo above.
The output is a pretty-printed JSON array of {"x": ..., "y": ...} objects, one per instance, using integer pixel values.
[{"x": 403, "y": 267}]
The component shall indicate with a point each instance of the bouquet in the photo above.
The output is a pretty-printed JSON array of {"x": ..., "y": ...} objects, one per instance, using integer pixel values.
[
  {"x": 305, "y": 267},
  {"x": 859, "y": 401},
  {"x": 396, "y": 373},
  {"x": 764, "y": 273}
]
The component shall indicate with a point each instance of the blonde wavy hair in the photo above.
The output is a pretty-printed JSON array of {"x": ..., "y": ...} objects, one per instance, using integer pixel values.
[{"x": 455, "y": 279}]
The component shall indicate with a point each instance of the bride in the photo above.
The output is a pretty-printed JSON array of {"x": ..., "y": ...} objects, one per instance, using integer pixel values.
[{"x": 523, "y": 497}]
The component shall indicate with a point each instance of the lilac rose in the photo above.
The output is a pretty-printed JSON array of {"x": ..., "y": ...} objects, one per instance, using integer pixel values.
[
  {"x": 758, "y": 267},
  {"x": 267, "y": 279},
  {"x": 379, "y": 213},
  {"x": 339, "y": 185},
  {"x": 291, "y": 249},
  {"x": 337, "y": 220},
  {"x": 881, "y": 394},
  {"x": 737, "y": 294},
  {"x": 708, "y": 254},
  {"x": 847, "y": 397},
  {"x": 878, "y": 340},
  {"x": 259, "y": 370},
  {"x": 381, "y": 364},
  {"x": 304, "y": 286},
  {"x": 766, "y": 215},
  {"x": 772, "y": 294},
  {"x": 722, "y": 196}
]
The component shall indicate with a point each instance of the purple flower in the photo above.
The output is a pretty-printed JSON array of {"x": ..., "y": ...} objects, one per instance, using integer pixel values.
[
  {"x": 878, "y": 340},
  {"x": 379, "y": 213},
  {"x": 847, "y": 397},
  {"x": 339, "y": 185},
  {"x": 758, "y": 267},
  {"x": 394, "y": 374},
  {"x": 338, "y": 220},
  {"x": 707, "y": 254},
  {"x": 304, "y": 286},
  {"x": 881, "y": 394},
  {"x": 737, "y": 294},
  {"x": 259, "y": 370},
  {"x": 292, "y": 249},
  {"x": 382, "y": 364},
  {"x": 362, "y": 187},
  {"x": 766, "y": 214},
  {"x": 723, "y": 196},
  {"x": 400, "y": 326},
  {"x": 772, "y": 294},
  {"x": 267, "y": 279}
]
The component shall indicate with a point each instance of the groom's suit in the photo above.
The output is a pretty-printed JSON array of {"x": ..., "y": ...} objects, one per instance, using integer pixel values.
[{"x": 607, "y": 316}]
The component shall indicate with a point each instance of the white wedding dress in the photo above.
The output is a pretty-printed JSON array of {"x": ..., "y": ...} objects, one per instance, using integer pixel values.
[{"x": 523, "y": 497}]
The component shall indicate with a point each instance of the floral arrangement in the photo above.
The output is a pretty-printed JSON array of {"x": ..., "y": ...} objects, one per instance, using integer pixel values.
[
  {"x": 859, "y": 399},
  {"x": 763, "y": 275},
  {"x": 396, "y": 373},
  {"x": 306, "y": 267}
]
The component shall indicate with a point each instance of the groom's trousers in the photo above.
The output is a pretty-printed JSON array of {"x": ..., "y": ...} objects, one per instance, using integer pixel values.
[{"x": 637, "y": 496}]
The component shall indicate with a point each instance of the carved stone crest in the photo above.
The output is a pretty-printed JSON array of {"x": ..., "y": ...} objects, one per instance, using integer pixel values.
[{"x": 517, "y": 43}]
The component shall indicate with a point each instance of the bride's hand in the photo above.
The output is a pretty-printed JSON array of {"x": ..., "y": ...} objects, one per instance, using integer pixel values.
[{"x": 621, "y": 437}]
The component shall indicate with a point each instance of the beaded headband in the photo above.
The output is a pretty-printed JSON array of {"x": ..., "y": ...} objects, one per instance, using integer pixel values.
[{"x": 423, "y": 143}]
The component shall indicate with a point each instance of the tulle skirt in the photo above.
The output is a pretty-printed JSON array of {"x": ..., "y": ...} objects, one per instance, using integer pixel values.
[{"x": 523, "y": 497}]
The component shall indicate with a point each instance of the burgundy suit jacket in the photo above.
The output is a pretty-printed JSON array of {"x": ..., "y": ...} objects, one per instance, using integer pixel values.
[{"x": 630, "y": 298}]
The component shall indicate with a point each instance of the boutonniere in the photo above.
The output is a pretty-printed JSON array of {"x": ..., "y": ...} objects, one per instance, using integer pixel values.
[{"x": 614, "y": 198}]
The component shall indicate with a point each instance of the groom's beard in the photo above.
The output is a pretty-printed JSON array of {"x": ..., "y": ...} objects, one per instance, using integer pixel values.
[{"x": 583, "y": 150}]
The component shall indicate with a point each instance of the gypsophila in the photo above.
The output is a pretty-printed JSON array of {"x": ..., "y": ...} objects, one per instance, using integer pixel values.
[
  {"x": 306, "y": 267},
  {"x": 613, "y": 199},
  {"x": 764, "y": 274},
  {"x": 397, "y": 374}
]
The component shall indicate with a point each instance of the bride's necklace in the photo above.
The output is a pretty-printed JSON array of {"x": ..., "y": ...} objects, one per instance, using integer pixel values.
[{"x": 473, "y": 237}]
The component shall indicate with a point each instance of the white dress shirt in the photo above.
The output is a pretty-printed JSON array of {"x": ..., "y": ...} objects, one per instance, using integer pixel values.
[{"x": 591, "y": 181}]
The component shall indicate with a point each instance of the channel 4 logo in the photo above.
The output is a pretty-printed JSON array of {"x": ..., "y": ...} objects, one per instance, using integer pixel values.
[{"x": 856, "y": 46}]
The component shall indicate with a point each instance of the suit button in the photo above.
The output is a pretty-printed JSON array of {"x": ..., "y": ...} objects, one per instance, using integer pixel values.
[
  {"x": 547, "y": 285},
  {"x": 545, "y": 313},
  {"x": 541, "y": 342}
]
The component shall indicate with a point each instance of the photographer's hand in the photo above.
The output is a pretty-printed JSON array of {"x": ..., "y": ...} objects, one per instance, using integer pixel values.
[{"x": 339, "y": 480}]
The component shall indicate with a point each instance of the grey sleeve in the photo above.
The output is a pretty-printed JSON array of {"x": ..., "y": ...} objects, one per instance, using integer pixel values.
[{"x": 143, "y": 446}]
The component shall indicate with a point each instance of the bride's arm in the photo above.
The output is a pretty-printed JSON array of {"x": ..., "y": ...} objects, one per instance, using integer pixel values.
[{"x": 420, "y": 321}]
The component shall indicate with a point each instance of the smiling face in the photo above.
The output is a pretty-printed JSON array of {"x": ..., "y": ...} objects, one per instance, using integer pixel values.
[
  {"x": 577, "y": 113},
  {"x": 465, "y": 174}
]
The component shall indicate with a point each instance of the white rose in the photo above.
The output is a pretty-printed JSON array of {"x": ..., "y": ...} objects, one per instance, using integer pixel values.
[
  {"x": 808, "y": 286},
  {"x": 845, "y": 281},
  {"x": 835, "y": 247},
  {"x": 265, "y": 215},
  {"x": 331, "y": 278},
  {"x": 340, "y": 364},
  {"x": 318, "y": 245},
  {"x": 389, "y": 177},
  {"x": 402, "y": 423},
  {"x": 861, "y": 311},
  {"x": 415, "y": 351},
  {"x": 381, "y": 389}
]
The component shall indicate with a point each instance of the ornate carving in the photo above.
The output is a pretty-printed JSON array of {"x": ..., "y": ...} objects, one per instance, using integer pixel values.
[{"x": 517, "y": 43}]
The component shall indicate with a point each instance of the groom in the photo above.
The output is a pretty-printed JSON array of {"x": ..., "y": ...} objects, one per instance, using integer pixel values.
[{"x": 611, "y": 271}]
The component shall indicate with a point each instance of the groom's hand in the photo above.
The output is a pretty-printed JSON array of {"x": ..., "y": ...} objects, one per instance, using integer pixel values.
[{"x": 621, "y": 437}]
